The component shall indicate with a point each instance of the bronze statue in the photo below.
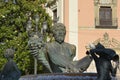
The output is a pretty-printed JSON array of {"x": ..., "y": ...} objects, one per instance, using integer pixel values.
[
  {"x": 102, "y": 57},
  {"x": 58, "y": 55},
  {"x": 10, "y": 70}
]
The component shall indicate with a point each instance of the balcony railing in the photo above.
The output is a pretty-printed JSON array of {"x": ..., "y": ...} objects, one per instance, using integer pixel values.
[{"x": 106, "y": 23}]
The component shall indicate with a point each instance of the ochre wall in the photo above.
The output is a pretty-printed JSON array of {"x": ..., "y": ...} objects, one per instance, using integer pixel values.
[
  {"x": 85, "y": 13},
  {"x": 66, "y": 17},
  {"x": 118, "y": 12},
  {"x": 87, "y": 32},
  {"x": 89, "y": 36}
]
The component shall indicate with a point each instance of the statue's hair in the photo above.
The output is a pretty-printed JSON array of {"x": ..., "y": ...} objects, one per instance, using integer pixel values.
[
  {"x": 56, "y": 26},
  {"x": 9, "y": 53}
]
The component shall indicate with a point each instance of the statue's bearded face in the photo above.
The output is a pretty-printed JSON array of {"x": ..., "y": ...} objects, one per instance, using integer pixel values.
[{"x": 59, "y": 34}]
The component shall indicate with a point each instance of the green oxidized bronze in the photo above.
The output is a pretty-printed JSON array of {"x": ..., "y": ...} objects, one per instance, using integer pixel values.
[{"x": 58, "y": 55}]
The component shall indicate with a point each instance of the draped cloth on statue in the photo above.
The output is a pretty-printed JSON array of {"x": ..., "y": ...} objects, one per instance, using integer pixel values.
[{"x": 62, "y": 55}]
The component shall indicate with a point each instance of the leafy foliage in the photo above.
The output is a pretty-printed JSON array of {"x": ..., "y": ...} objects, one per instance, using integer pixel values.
[{"x": 13, "y": 19}]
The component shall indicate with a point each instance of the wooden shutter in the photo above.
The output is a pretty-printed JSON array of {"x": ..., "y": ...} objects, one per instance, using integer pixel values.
[{"x": 105, "y": 16}]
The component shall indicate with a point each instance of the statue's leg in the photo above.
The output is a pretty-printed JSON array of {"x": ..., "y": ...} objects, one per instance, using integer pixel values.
[{"x": 83, "y": 63}]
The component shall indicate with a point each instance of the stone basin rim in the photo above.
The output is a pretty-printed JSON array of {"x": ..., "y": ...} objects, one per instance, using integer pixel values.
[{"x": 65, "y": 74}]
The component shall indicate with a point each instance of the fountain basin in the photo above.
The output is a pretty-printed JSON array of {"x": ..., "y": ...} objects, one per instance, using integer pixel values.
[{"x": 61, "y": 76}]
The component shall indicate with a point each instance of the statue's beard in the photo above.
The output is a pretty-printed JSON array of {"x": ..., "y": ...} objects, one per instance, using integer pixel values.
[{"x": 60, "y": 39}]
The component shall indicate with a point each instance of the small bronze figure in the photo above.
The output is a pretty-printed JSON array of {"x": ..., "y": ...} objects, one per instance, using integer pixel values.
[{"x": 10, "y": 70}]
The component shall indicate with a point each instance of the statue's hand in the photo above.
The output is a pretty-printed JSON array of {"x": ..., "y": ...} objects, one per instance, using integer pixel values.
[{"x": 35, "y": 45}]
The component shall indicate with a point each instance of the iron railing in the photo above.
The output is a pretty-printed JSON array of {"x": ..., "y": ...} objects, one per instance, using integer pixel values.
[{"x": 106, "y": 23}]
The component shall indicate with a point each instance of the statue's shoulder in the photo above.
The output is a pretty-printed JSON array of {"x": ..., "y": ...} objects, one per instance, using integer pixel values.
[
  {"x": 50, "y": 44},
  {"x": 72, "y": 46}
]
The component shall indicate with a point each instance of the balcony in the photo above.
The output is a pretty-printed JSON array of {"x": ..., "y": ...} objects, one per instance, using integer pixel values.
[
  {"x": 106, "y": 24},
  {"x": 105, "y": 2}
]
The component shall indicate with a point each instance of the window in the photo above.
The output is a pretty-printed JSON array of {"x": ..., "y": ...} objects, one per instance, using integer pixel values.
[{"x": 105, "y": 16}]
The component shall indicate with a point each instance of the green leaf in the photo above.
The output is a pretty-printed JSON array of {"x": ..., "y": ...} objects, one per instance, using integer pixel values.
[{"x": 13, "y": 18}]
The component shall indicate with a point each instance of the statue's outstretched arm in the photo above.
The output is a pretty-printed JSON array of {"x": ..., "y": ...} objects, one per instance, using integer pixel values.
[{"x": 38, "y": 50}]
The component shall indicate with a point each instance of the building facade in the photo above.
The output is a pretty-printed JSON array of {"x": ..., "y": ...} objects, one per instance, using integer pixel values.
[{"x": 89, "y": 21}]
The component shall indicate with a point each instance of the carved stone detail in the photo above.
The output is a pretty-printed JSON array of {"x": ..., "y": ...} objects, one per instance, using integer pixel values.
[{"x": 108, "y": 42}]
